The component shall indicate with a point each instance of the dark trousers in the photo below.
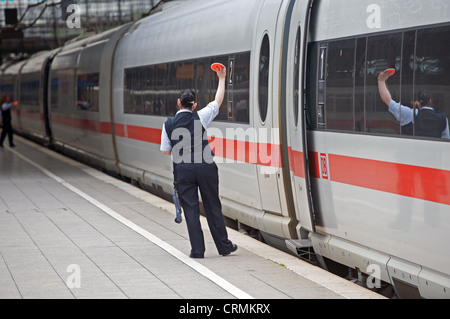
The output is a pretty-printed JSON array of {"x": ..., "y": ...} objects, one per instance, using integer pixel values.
[
  {"x": 7, "y": 130},
  {"x": 190, "y": 178}
]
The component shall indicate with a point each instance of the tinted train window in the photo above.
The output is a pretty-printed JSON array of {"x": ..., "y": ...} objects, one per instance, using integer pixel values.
[
  {"x": 207, "y": 84},
  {"x": 407, "y": 77},
  {"x": 360, "y": 79},
  {"x": 8, "y": 88},
  {"x": 433, "y": 69},
  {"x": 29, "y": 92},
  {"x": 54, "y": 84},
  {"x": 87, "y": 95},
  {"x": 263, "y": 82},
  {"x": 155, "y": 89},
  {"x": 339, "y": 85},
  {"x": 296, "y": 75},
  {"x": 205, "y": 81},
  {"x": 352, "y": 101},
  {"x": 383, "y": 52},
  {"x": 241, "y": 88},
  {"x": 62, "y": 89}
]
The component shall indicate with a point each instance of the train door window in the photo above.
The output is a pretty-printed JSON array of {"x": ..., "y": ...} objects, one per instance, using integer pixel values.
[
  {"x": 321, "y": 87},
  {"x": 230, "y": 80},
  {"x": 383, "y": 52},
  {"x": 263, "y": 81},
  {"x": 311, "y": 86},
  {"x": 339, "y": 85},
  {"x": 433, "y": 75},
  {"x": 296, "y": 75}
]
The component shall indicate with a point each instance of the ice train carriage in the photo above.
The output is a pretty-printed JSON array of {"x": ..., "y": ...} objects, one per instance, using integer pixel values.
[
  {"x": 327, "y": 163},
  {"x": 181, "y": 44},
  {"x": 80, "y": 99},
  {"x": 381, "y": 195}
]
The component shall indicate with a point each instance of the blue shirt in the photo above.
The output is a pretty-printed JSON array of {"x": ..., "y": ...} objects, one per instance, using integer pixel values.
[
  {"x": 206, "y": 115},
  {"x": 405, "y": 115},
  {"x": 6, "y": 106}
]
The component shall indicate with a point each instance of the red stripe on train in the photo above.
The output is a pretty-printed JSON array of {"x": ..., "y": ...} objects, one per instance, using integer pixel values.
[
  {"x": 424, "y": 183},
  {"x": 406, "y": 180}
]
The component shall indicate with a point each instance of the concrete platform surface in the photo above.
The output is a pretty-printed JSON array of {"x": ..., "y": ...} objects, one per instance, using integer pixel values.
[{"x": 69, "y": 231}]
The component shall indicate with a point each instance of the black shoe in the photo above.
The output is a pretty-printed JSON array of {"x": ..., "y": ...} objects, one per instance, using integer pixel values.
[
  {"x": 235, "y": 247},
  {"x": 192, "y": 255},
  {"x": 12, "y": 145}
]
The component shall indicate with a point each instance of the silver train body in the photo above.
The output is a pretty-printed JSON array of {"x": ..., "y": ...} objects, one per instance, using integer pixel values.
[{"x": 293, "y": 163}]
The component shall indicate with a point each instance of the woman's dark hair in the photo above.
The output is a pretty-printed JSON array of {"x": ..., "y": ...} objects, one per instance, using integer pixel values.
[
  {"x": 187, "y": 98},
  {"x": 4, "y": 98}
]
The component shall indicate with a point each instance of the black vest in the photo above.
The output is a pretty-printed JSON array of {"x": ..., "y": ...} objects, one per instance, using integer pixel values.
[
  {"x": 188, "y": 138},
  {"x": 6, "y": 115},
  {"x": 428, "y": 123}
]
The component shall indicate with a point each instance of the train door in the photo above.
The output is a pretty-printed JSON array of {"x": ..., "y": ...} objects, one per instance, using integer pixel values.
[
  {"x": 294, "y": 55},
  {"x": 264, "y": 111}
]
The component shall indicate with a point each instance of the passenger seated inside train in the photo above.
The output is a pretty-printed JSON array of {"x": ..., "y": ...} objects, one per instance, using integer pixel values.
[{"x": 422, "y": 119}]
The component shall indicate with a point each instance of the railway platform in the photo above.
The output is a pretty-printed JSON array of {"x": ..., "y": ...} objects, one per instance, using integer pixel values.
[{"x": 68, "y": 231}]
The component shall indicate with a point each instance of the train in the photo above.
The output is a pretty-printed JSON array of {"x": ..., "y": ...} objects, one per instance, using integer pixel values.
[{"x": 309, "y": 157}]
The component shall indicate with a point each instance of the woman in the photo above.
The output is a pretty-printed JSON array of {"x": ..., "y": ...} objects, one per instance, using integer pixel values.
[{"x": 6, "y": 115}]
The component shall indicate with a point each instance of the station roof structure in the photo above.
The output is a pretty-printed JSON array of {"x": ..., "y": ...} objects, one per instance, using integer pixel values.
[{"x": 29, "y": 26}]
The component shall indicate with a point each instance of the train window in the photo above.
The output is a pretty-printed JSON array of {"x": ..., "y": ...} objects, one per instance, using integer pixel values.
[
  {"x": 174, "y": 80},
  {"x": 152, "y": 101},
  {"x": 241, "y": 87},
  {"x": 29, "y": 92},
  {"x": 62, "y": 89},
  {"x": 138, "y": 89},
  {"x": 88, "y": 89},
  {"x": 321, "y": 87},
  {"x": 127, "y": 91},
  {"x": 346, "y": 74},
  {"x": 161, "y": 89},
  {"x": 383, "y": 52},
  {"x": 54, "y": 93},
  {"x": 263, "y": 81},
  {"x": 407, "y": 77},
  {"x": 433, "y": 79},
  {"x": 360, "y": 77},
  {"x": 204, "y": 83},
  {"x": 311, "y": 78},
  {"x": 339, "y": 85},
  {"x": 155, "y": 89},
  {"x": 296, "y": 76},
  {"x": 8, "y": 88}
]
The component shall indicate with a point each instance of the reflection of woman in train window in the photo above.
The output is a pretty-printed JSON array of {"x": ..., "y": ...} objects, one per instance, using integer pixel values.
[{"x": 427, "y": 122}]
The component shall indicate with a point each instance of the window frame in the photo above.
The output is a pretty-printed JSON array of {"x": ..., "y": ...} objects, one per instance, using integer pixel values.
[
  {"x": 264, "y": 109},
  {"x": 314, "y": 105}
]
